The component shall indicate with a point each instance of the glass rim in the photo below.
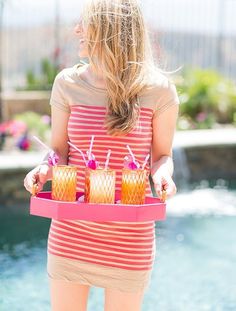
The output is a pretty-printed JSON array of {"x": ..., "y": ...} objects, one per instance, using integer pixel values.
[
  {"x": 65, "y": 166},
  {"x": 101, "y": 169},
  {"x": 136, "y": 170}
]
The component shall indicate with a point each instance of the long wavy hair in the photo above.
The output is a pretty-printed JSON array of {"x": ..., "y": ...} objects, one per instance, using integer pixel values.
[{"x": 119, "y": 47}]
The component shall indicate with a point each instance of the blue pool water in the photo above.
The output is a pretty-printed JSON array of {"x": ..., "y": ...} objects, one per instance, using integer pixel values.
[{"x": 194, "y": 268}]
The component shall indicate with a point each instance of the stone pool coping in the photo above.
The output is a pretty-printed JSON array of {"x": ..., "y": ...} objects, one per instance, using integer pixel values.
[
  {"x": 201, "y": 138},
  {"x": 17, "y": 160}
]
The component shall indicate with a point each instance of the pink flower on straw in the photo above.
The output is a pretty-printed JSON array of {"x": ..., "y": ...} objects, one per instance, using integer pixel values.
[
  {"x": 133, "y": 164},
  {"x": 53, "y": 158},
  {"x": 92, "y": 163}
]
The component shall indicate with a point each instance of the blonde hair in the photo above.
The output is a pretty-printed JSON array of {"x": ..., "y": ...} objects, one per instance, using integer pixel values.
[{"x": 119, "y": 46}]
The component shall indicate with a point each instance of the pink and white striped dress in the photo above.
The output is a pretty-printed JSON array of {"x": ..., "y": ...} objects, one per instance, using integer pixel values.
[{"x": 97, "y": 253}]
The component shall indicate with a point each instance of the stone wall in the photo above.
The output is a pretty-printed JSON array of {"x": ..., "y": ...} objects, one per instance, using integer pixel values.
[
  {"x": 12, "y": 188},
  {"x": 194, "y": 164},
  {"x": 212, "y": 162},
  {"x": 19, "y": 102}
]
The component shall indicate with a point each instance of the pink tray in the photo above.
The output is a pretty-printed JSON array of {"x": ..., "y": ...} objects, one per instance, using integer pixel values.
[{"x": 43, "y": 205}]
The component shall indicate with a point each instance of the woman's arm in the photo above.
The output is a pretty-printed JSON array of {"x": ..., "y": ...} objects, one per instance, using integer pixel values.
[
  {"x": 162, "y": 164},
  {"x": 59, "y": 137}
]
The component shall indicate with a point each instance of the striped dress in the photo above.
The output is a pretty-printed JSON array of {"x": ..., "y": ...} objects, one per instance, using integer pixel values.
[{"x": 105, "y": 254}]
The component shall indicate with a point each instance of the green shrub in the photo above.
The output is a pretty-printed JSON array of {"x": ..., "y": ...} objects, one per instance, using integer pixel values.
[
  {"x": 206, "y": 98},
  {"x": 36, "y": 124},
  {"x": 44, "y": 81}
]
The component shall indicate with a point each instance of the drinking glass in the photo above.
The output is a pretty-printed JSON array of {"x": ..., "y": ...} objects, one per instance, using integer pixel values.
[
  {"x": 100, "y": 186},
  {"x": 133, "y": 187},
  {"x": 64, "y": 183}
]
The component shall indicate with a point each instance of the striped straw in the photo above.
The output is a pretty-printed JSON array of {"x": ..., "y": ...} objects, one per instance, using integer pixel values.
[
  {"x": 108, "y": 159},
  {"x": 145, "y": 161},
  {"x": 41, "y": 143},
  {"x": 131, "y": 153},
  {"x": 91, "y": 147},
  {"x": 82, "y": 154}
]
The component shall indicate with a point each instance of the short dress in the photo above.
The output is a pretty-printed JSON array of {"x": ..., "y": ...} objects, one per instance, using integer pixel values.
[{"x": 117, "y": 255}]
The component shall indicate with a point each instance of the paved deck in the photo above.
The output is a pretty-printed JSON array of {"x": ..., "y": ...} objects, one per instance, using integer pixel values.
[{"x": 183, "y": 139}]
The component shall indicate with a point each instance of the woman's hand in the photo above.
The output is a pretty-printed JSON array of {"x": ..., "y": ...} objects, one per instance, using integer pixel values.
[
  {"x": 38, "y": 176},
  {"x": 163, "y": 181}
]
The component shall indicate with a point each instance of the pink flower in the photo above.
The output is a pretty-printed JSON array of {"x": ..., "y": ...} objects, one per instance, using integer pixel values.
[
  {"x": 46, "y": 119},
  {"x": 201, "y": 116},
  {"x": 24, "y": 143},
  {"x": 13, "y": 127}
]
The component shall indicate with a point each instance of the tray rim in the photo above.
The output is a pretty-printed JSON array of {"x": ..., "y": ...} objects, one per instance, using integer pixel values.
[
  {"x": 156, "y": 200},
  {"x": 54, "y": 209}
]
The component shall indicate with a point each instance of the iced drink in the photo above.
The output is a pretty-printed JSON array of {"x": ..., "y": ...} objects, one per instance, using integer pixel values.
[
  {"x": 64, "y": 183},
  {"x": 100, "y": 186},
  {"x": 133, "y": 186}
]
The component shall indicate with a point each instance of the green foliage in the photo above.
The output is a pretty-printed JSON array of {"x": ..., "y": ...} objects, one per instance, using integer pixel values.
[
  {"x": 36, "y": 124},
  {"x": 49, "y": 71},
  {"x": 206, "y": 98},
  {"x": 45, "y": 80}
]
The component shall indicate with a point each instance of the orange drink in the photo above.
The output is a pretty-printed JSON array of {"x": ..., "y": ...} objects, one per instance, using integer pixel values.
[
  {"x": 100, "y": 186},
  {"x": 64, "y": 183},
  {"x": 133, "y": 186},
  {"x": 87, "y": 185}
]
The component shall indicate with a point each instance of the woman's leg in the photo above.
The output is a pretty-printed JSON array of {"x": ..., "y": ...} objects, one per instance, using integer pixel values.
[
  {"x": 116, "y": 300},
  {"x": 68, "y": 296}
]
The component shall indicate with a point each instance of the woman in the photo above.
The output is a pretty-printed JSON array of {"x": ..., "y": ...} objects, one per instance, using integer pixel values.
[{"x": 121, "y": 98}]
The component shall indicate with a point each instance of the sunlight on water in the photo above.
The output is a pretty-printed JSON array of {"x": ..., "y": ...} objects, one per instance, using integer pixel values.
[
  {"x": 203, "y": 202},
  {"x": 194, "y": 267}
]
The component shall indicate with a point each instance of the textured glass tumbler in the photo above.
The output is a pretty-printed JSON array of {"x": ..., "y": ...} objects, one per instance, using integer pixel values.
[
  {"x": 133, "y": 187},
  {"x": 87, "y": 185},
  {"x": 64, "y": 183},
  {"x": 100, "y": 186}
]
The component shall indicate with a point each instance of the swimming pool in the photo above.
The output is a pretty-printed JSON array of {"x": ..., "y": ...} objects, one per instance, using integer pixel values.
[{"x": 194, "y": 268}]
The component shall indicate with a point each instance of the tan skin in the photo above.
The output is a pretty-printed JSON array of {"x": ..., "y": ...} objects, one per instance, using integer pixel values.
[{"x": 71, "y": 296}]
